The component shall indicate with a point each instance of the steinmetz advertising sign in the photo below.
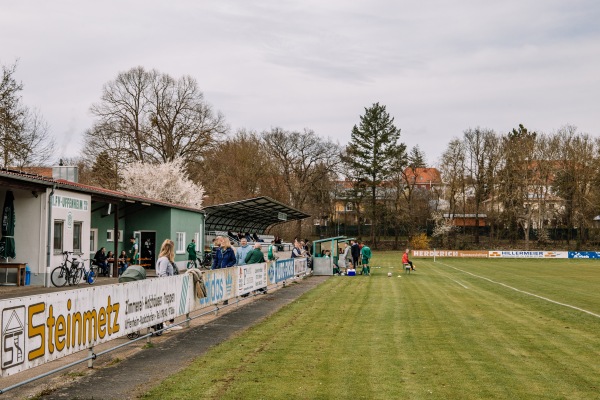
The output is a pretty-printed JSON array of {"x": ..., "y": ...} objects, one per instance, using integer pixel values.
[{"x": 41, "y": 328}]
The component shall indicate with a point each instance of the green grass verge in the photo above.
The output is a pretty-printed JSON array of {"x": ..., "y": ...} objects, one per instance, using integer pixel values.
[{"x": 455, "y": 329}]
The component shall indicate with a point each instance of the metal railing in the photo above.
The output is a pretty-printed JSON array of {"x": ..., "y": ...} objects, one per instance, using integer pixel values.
[{"x": 91, "y": 356}]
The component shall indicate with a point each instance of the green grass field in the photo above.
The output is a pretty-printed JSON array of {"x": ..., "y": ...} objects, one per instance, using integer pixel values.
[{"x": 455, "y": 329}]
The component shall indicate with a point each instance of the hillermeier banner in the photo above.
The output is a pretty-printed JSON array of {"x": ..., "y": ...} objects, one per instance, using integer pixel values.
[{"x": 527, "y": 254}]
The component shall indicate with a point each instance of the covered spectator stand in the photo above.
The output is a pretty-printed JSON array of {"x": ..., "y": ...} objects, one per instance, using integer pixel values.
[{"x": 254, "y": 215}]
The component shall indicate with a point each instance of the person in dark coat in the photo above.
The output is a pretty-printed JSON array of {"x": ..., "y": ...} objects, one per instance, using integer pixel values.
[
  {"x": 100, "y": 260},
  {"x": 355, "y": 252},
  {"x": 228, "y": 255},
  {"x": 217, "y": 255}
]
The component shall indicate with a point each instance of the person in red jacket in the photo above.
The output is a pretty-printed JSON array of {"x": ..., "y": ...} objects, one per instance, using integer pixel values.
[{"x": 405, "y": 260}]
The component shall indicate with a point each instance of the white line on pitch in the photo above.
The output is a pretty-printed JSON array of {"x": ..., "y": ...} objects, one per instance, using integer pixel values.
[
  {"x": 524, "y": 292},
  {"x": 446, "y": 276}
]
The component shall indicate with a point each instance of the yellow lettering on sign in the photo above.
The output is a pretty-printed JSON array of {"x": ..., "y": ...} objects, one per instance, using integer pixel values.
[
  {"x": 36, "y": 330},
  {"x": 60, "y": 332}
]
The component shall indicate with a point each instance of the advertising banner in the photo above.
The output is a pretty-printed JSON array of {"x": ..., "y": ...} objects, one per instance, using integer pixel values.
[
  {"x": 300, "y": 266},
  {"x": 221, "y": 285},
  {"x": 281, "y": 270},
  {"x": 527, "y": 254},
  {"x": 251, "y": 277},
  {"x": 451, "y": 253},
  {"x": 584, "y": 254},
  {"x": 41, "y": 328}
]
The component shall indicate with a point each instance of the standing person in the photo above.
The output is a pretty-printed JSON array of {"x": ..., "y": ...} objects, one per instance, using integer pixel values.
[
  {"x": 366, "y": 254},
  {"x": 191, "y": 251},
  {"x": 355, "y": 251},
  {"x": 271, "y": 252},
  {"x": 346, "y": 257},
  {"x": 242, "y": 251},
  {"x": 135, "y": 255},
  {"x": 405, "y": 260},
  {"x": 255, "y": 256},
  {"x": 227, "y": 258},
  {"x": 164, "y": 267},
  {"x": 297, "y": 250},
  {"x": 228, "y": 255},
  {"x": 217, "y": 255}
]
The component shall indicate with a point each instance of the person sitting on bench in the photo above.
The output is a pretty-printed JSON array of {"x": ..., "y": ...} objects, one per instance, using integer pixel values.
[
  {"x": 406, "y": 261},
  {"x": 100, "y": 261}
]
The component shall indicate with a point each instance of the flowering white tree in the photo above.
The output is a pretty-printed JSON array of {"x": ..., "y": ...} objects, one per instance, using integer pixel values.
[
  {"x": 443, "y": 227},
  {"x": 166, "y": 182}
]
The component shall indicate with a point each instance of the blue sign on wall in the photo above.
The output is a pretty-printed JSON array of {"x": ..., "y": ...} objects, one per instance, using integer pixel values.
[
  {"x": 281, "y": 270},
  {"x": 584, "y": 254}
]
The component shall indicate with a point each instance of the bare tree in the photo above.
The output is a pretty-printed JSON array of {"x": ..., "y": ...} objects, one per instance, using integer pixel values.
[
  {"x": 239, "y": 167},
  {"x": 24, "y": 135},
  {"x": 482, "y": 154},
  {"x": 301, "y": 158},
  {"x": 149, "y": 116},
  {"x": 453, "y": 170},
  {"x": 574, "y": 179}
]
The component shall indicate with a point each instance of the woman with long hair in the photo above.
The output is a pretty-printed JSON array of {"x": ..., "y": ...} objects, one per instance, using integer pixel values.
[
  {"x": 164, "y": 267},
  {"x": 166, "y": 258},
  {"x": 228, "y": 258}
]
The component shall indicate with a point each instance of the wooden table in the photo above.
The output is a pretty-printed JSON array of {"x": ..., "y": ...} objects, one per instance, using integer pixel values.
[
  {"x": 20, "y": 275},
  {"x": 145, "y": 262}
]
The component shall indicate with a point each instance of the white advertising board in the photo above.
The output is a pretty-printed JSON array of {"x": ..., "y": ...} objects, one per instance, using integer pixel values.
[
  {"x": 528, "y": 254},
  {"x": 300, "y": 266},
  {"x": 221, "y": 285},
  {"x": 251, "y": 277},
  {"x": 41, "y": 328}
]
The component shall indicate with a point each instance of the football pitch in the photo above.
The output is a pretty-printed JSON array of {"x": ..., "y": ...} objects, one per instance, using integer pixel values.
[{"x": 453, "y": 329}]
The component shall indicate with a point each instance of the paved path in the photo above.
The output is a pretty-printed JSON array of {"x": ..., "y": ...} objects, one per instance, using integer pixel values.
[{"x": 129, "y": 378}]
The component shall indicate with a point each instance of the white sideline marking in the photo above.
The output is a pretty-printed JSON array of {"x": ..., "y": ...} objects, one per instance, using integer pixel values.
[
  {"x": 455, "y": 281},
  {"x": 524, "y": 292}
]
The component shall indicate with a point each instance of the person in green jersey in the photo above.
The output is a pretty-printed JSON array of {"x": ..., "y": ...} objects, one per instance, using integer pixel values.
[{"x": 366, "y": 254}]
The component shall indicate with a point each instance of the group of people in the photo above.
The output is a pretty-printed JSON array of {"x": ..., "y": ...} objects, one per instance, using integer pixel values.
[
  {"x": 249, "y": 237},
  {"x": 354, "y": 255},
  {"x": 224, "y": 254},
  {"x": 102, "y": 259}
]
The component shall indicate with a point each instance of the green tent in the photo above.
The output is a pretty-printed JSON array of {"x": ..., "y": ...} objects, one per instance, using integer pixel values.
[{"x": 7, "y": 242}]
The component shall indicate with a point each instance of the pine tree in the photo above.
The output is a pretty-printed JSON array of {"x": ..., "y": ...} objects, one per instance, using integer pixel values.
[{"x": 373, "y": 147}]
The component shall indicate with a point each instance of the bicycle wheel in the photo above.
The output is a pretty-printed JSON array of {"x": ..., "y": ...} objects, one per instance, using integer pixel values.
[
  {"x": 76, "y": 276},
  {"x": 59, "y": 276},
  {"x": 191, "y": 264},
  {"x": 91, "y": 275}
]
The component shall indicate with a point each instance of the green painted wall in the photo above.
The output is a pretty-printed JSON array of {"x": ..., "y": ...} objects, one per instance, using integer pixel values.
[
  {"x": 105, "y": 223},
  {"x": 188, "y": 222},
  {"x": 166, "y": 222}
]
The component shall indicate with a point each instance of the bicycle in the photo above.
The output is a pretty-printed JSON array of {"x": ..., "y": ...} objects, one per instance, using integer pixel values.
[
  {"x": 200, "y": 262},
  {"x": 191, "y": 264},
  {"x": 206, "y": 261},
  {"x": 71, "y": 271}
]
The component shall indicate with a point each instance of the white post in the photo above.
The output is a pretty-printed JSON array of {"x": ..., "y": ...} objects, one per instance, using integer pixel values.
[{"x": 434, "y": 254}]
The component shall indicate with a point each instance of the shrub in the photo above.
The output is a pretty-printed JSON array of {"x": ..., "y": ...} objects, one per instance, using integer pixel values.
[{"x": 420, "y": 242}]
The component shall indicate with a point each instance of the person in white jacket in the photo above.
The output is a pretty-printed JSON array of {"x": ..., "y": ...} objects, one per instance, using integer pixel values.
[
  {"x": 164, "y": 267},
  {"x": 345, "y": 257}
]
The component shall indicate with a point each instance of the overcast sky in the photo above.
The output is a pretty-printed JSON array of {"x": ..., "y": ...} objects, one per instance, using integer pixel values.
[{"x": 439, "y": 66}]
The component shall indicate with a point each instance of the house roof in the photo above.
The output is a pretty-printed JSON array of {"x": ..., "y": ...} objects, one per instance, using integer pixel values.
[
  {"x": 423, "y": 176},
  {"x": 29, "y": 181}
]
